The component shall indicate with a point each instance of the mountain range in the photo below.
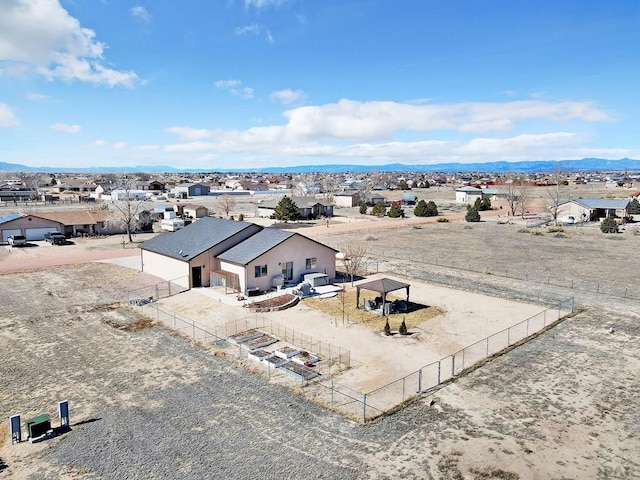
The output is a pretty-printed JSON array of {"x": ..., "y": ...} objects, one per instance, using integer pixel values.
[{"x": 584, "y": 165}]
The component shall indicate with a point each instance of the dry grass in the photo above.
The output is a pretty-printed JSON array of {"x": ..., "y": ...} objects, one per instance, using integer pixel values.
[{"x": 346, "y": 303}]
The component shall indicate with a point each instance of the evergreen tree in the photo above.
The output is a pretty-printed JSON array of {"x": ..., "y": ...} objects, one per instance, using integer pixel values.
[
  {"x": 485, "y": 204},
  {"x": 472, "y": 215},
  {"x": 286, "y": 210},
  {"x": 634, "y": 207},
  {"x": 432, "y": 209},
  {"x": 387, "y": 328},
  {"x": 395, "y": 211},
  {"x": 403, "y": 328},
  {"x": 362, "y": 208},
  {"x": 379, "y": 209},
  {"x": 609, "y": 225},
  {"x": 421, "y": 209}
]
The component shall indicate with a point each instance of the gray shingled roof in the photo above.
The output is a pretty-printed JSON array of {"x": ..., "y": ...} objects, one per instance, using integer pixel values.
[
  {"x": 194, "y": 239},
  {"x": 256, "y": 245},
  {"x": 607, "y": 203}
]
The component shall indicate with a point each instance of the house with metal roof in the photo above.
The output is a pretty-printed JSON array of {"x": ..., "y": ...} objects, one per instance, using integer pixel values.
[
  {"x": 242, "y": 256},
  {"x": 580, "y": 210},
  {"x": 308, "y": 208}
]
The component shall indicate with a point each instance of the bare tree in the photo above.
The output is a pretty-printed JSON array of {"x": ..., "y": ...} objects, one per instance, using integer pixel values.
[
  {"x": 226, "y": 203},
  {"x": 555, "y": 194},
  {"x": 126, "y": 209},
  {"x": 354, "y": 258},
  {"x": 329, "y": 185},
  {"x": 516, "y": 194}
]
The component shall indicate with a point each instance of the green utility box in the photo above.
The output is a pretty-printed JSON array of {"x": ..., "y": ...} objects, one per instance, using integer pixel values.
[{"x": 37, "y": 426}]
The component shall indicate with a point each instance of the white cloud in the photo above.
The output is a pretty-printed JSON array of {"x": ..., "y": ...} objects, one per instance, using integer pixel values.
[
  {"x": 259, "y": 4},
  {"x": 40, "y": 37},
  {"x": 120, "y": 145},
  {"x": 36, "y": 97},
  {"x": 100, "y": 143},
  {"x": 188, "y": 133},
  {"x": 64, "y": 128},
  {"x": 146, "y": 148},
  {"x": 7, "y": 117},
  {"x": 288, "y": 96},
  {"x": 226, "y": 84},
  {"x": 141, "y": 13},
  {"x": 368, "y": 131},
  {"x": 235, "y": 88},
  {"x": 253, "y": 29},
  {"x": 268, "y": 36}
]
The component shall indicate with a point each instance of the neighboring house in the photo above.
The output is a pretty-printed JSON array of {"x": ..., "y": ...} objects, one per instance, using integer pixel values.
[
  {"x": 30, "y": 226},
  {"x": 13, "y": 193},
  {"x": 238, "y": 255},
  {"x": 191, "y": 210},
  {"x": 121, "y": 195},
  {"x": 82, "y": 222},
  {"x": 75, "y": 187},
  {"x": 591, "y": 209},
  {"x": 153, "y": 186},
  {"x": 190, "y": 190},
  {"x": 469, "y": 194},
  {"x": 308, "y": 208},
  {"x": 347, "y": 199}
]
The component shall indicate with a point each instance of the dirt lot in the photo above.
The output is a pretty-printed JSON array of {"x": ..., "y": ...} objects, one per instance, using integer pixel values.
[{"x": 146, "y": 403}]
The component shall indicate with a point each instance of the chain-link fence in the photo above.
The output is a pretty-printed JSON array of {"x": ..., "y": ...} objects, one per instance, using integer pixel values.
[
  {"x": 367, "y": 406},
  {"x": 331, "y": 358},
  {"x": 143, "y": 295},
  {"x": 387, "y": 260}
]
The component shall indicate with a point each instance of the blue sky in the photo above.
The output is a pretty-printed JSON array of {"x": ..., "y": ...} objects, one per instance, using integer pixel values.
[{"x": 215, "y": 84}]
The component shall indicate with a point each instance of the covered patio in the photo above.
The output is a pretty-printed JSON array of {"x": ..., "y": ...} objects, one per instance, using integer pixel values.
[{"x": 382, "y": 286}]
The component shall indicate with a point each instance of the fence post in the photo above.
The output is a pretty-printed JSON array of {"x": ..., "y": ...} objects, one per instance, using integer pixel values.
[
  {"x": 364, "y": 407},
  {"x": 487, "y": 355},
  {"x": 419, "y": 381},
  {"x": 174, "y": 319},
  {"x": 439, "y": 367},
  {"x": 453, "y": 364}
]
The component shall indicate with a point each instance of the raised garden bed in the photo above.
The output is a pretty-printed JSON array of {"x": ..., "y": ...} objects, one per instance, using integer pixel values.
[
  {"x": 274, "y": 304},
  {"x": 287, "y": 352},
  {"x": 275, "y": 362},
  {"x": 245, "y": 336},
  {"x": 305, "y": 358},
  {"x": 298, "y": 371},
  {"x": 259, "y": 355},
  {"x": 259, "y": 342}
]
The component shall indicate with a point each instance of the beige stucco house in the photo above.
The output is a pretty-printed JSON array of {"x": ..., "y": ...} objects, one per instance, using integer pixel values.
[{"x": 242, "y": 256}]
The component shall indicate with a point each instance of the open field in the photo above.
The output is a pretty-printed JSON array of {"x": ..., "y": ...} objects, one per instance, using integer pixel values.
[{"x": 146, "y": 403}]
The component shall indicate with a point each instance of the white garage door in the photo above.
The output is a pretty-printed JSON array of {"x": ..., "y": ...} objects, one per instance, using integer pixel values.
[
  {"x": 38, "y": 233},
  {"x": 7, "y": 233}
]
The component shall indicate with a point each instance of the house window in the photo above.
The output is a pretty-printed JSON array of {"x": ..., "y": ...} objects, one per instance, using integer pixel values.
[
  {"x": 261, "y": 271},
  {"x": 311, "y": 263}
]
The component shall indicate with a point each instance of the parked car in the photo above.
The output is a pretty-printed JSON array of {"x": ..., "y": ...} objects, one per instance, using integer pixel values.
[
  {"x": 55, "y": 238},
  {"x": 17, "y": 240}
]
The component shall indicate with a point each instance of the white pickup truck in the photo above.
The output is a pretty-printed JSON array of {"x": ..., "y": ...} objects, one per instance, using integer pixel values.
[{"x": 17, "y": 240}]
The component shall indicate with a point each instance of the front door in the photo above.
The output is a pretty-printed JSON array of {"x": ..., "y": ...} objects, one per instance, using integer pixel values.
[
  {"x": 196, "y": 277},
  {"x": 287, "y": 271}
]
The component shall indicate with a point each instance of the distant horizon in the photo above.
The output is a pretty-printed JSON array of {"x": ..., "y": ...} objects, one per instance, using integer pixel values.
[
  {"x": 582, "y": 165},
  {"x": 252, "y": 84}
]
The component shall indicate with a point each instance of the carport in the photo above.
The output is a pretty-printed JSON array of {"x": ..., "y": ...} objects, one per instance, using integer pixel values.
[{"x": 382, "y": 286}]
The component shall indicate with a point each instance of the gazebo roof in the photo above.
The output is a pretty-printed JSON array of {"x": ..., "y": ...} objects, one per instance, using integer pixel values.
[{"x": 383, "y": 285}]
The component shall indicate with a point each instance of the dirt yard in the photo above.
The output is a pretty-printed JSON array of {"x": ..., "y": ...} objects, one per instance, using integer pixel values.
[{"x": 146, "y": 403}]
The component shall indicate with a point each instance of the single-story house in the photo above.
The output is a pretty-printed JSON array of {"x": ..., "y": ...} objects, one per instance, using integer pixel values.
[
  {"x": 347, "y": 199},
  {"x": 30, "y": 226},
  {"x": 308, "y": 208},
  {"x": 581, "y": 210},
  {"x": 190, "y": 190},
  {"x": 469, "y": 194},
  {"x": 191, "y": 210},
  {"x": 239, "y": 255},
  {"x": 70, "y": 223},
  {"x": 12, "y": 193}
]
